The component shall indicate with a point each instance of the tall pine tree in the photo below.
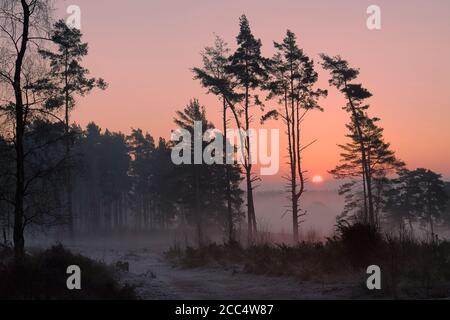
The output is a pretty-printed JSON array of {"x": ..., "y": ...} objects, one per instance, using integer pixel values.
[
  {"x": 292, "y": 80},
  {"x": 67, "y": 79}
]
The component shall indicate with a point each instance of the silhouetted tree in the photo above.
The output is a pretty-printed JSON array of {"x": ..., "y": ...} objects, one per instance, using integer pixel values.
[
  {"x": 248, "y": 69},
  {"x": 6, "y": 187},
  {"x": 141, "y": 148},
  {"x": 164, "y": 185},
  {"x": 419, "y": 195},
  {"x": 381, "y": 162},
  {"x": 114, "y": 179},
  {"x": 45, "y": 162},
  {"x": 292, "y": 77},
  {"x": 67, "y": 79},
  {"x": 216, "y": 62},
  {"x": 341, "y": 78},
  {"x": 45, "y": 165},
  {"x": 21, "y": 24},
  {"x": 403, "y": 201},
  {"x": 103, "y": 182},
  {"x": 86, "y": 182},
  {"x": 195, "y": 176},
  {"x": 246, "y": 72},
  {"x": 204, "y": 186}
]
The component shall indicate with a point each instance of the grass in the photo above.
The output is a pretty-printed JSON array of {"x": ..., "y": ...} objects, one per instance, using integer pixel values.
[
  {"x": 410, "y": 268},
  {"x": 303, "y": 261},
  {"x": 42, "y": 276}
]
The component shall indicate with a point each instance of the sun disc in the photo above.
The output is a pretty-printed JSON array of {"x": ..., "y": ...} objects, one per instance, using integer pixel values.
[{"x": 317, "y": 179}]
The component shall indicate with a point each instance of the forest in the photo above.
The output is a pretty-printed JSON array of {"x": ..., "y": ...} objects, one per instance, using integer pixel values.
[{"x": 62, "y": 180}]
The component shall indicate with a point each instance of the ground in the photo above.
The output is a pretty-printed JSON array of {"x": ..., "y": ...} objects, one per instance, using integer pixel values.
[{"x": 155, "y": 278}]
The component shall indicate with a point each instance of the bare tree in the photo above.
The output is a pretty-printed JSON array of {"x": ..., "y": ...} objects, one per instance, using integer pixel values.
[{"x": 22, "y": 24}]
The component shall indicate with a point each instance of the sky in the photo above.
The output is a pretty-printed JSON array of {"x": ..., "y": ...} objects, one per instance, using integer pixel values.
[{"x": 145, "y": 49}]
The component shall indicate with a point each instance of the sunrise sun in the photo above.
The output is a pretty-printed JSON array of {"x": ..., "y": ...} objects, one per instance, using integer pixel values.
[{"x": 317, "y": 179}]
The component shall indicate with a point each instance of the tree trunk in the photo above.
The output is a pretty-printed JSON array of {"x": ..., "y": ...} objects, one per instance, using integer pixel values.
[
  {"x": 250, "y": 206},
  {"x": 68, "y": 149},
  {"x": 430, "y": 219},
  {"x": 365, "y": 165},
  {"x": 252, "y": 227},
  {"x": 19, "y": 241},
  {"x": 365, "y": 220},
  {"x": 198, "y": 209},
  {"x": 227, "y": 176}
]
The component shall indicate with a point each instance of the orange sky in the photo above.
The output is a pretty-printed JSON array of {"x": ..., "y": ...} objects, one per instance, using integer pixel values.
[{"x": 144, "y": 49}]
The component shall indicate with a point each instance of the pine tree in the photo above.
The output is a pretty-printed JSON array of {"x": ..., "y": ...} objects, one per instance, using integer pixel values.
[
  {"x": 245, "y": 74},
  {"x": 164, "y": 186},
  {"x": 419, "y": 195},
  {"x": 292, "y": 77},
  {"x": 204, "y": 186},
  {"x": 141, "y": 148},
  {"x": 67, "y": 79},
  {"x": 355, "y": 94},
  {"x": 114, "y": 181},
  {"x": 195, "y": 180},
  {"x": 248, "y": 69},
  {"x": 381, "y": 162},
  {"x": 215, "y": 66}
]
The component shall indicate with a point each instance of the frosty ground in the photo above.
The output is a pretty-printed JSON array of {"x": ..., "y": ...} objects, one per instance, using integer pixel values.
[{"x": 154, "y": 277}]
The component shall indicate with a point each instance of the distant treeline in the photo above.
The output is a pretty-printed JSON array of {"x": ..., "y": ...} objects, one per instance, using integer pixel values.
[{"x": 119, "y": 182}]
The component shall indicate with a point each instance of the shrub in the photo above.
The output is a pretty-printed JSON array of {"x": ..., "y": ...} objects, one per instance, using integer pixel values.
[
  {"x": 361, "y": 243},
  {"x": 43, "y": 276}
]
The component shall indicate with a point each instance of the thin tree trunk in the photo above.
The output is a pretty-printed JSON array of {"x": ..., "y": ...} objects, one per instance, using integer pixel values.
[
  {"x": 198, "y": 215},
  {"x": 299, "y": 167},
  {"x": 372, "y": 220},
  {"x": 252, "y": 227},
  {"x": 294, "y": 163},
  {"x": 8, "y": 222},
  {"x": 365, "y": 196},
  {"x": 251, "y": 216},
  {"x": 250, "y": 206},
  {"x": 227, "y": 173},
  {"x": 19, "y": 241},
  {"x": 365, "y": 165},
  {"x": 69, "y": 190},
  {"x": 430, "y": 219},
  {"x": 68, "y": 149}
]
